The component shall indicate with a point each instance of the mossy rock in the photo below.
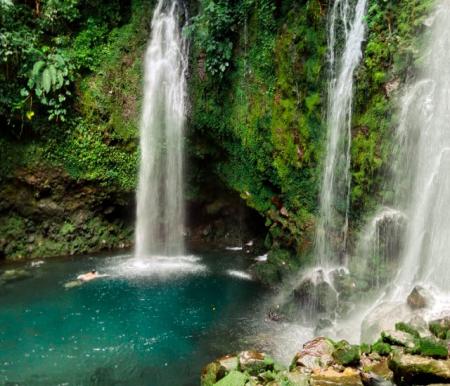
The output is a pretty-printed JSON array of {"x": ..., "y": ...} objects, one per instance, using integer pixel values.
[
  {"x": 408, "y": 328},
  {"x": 398, "y": 338},
  {"x": 346, "y": 354},
  {"x": 418, "y": 370},
  {"x": 430, "y": 347},
  {"x": 211, "y": 373},
  {"x": 254, "y": 362},
  {"x": 381, "y": 348},
  {"x": 234, "y": 378},
  {"x": 440, "y": 328}
]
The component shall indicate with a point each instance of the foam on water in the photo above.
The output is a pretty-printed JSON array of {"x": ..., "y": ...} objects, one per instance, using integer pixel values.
[
  {"x": 163, "y": 267},
  {"x": 239, "y": 274}
]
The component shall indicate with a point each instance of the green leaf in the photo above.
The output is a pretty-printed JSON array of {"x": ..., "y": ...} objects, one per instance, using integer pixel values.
[
  {"x": 53, "y": 74},
  {"x": 37, "y": 68},
  {"x": 46, "y": 80}
]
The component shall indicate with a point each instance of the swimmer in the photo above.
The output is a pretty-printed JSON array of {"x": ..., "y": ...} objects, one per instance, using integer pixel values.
[
  {"x": 85, "y": 277},
  {"x": 90, "y": 276}
]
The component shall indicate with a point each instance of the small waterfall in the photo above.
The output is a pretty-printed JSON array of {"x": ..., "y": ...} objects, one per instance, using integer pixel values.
[
  {"x": 331, "y": 234},
  {"x": 160, "y": 203},
  {"x": 423, "y": 187},
  {"x": 380, "y": 245}
]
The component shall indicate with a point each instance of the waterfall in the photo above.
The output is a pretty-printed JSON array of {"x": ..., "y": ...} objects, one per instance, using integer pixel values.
[
  {"x": 160, "y": 202},
  {"x": 422, "y": 184},
  {"x": 331, "y": 232}
]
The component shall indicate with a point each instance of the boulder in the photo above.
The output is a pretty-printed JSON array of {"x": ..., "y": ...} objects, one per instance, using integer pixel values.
[
  {"x": 382, "y": 318},
  {"x": 343, "y": 282},
  {"x": 315, "y": 354},
  {"x": 315, "y": 295},
  {"x": 418, "y": 298},
  {"x": 254, "y": 362},
  {"x": 332, "y": 377},
  {"x": 414, "y": 369},
  {"x": 398, "y": 338}
]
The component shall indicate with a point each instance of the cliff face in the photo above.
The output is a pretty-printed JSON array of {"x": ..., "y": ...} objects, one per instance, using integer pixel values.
[{"x": 256, "y": 122}]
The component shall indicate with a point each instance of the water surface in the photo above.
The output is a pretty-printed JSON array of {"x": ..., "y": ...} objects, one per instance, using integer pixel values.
[{"x": 139, "y": 326}]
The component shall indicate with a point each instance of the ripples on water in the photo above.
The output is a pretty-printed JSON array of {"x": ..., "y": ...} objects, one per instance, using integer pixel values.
[{"x": 150, "y": 322}]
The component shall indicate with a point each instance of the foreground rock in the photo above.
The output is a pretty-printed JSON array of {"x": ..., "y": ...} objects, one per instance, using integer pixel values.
[
  {"x": 412, "y": 353},
  {"x": 417, "y": 370}
]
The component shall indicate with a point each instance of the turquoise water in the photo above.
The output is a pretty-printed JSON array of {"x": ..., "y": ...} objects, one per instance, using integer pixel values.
[{"x": 138, "y": 326}]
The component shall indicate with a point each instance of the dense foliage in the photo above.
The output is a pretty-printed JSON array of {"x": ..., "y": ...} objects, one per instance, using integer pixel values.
[{"x": 70, "y": 86}]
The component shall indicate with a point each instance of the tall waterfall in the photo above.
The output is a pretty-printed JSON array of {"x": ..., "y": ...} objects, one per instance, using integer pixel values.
[
  {"x": 160, "y": 204},
  {"x": 422, "y": 185},
  {"x": 331, "y": 234}
]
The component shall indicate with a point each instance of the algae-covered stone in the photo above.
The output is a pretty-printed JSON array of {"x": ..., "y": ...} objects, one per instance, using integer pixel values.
[
  {"x": 430, "y": 347},
  {"x": 408, "y": 328},
  {"x": 381, "y": 348},
  {"x": 211, "y": 373},
  {"x": 254, "y": 362},
  {"x": 441, "y": 328},
  {"x": 414, "y": 369},
  {"x": 317, "y": 353},
  {"x": 346, "y": 354},
  {"x": 331, "y": 377},
  {"x": 234, "y": 378},
  {"x": 398, "y": 338}
]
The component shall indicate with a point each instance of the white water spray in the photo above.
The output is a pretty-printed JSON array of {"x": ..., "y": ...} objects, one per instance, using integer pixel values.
[
  {"x": 423, "y": 188},
  {"x": 160, "y": 201},
  {"x": 331, "y": 233}
]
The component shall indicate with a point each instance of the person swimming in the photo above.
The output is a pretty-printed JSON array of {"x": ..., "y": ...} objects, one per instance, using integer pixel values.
[
  {"x": 88, "y": 276},
  {"x": 83, "y": 278}
]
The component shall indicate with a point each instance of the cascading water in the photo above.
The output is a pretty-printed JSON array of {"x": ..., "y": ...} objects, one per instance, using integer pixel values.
[
  {"x": 160, "y": 203},
  {"x": 331, "y": 234},
  {"x": 423, "y": 187}
]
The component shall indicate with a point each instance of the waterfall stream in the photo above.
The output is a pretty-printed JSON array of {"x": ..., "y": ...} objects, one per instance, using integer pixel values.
[
  {"x": 160, "y": 202},
  {"x": 331, "y": 234},
  {"x": 422, "y": 184}
]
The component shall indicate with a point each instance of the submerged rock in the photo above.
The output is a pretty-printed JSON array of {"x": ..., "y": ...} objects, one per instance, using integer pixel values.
[
  {"x": 12, "y": 275},
  {"x": 418, "y": 298}
]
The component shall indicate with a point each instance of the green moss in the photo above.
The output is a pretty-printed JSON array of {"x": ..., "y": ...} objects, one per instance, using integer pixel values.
[
  {"x": 406, "y": 327},
  {"x": 381, "y": 348},
  {"x": 346, "y": 354},
  {"x": 430, "y": 347},
  {"x": 234, "y": 378}
]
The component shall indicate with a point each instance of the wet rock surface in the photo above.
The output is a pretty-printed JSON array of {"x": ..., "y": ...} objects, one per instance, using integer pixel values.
[{"x": 413, "y": 353}]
